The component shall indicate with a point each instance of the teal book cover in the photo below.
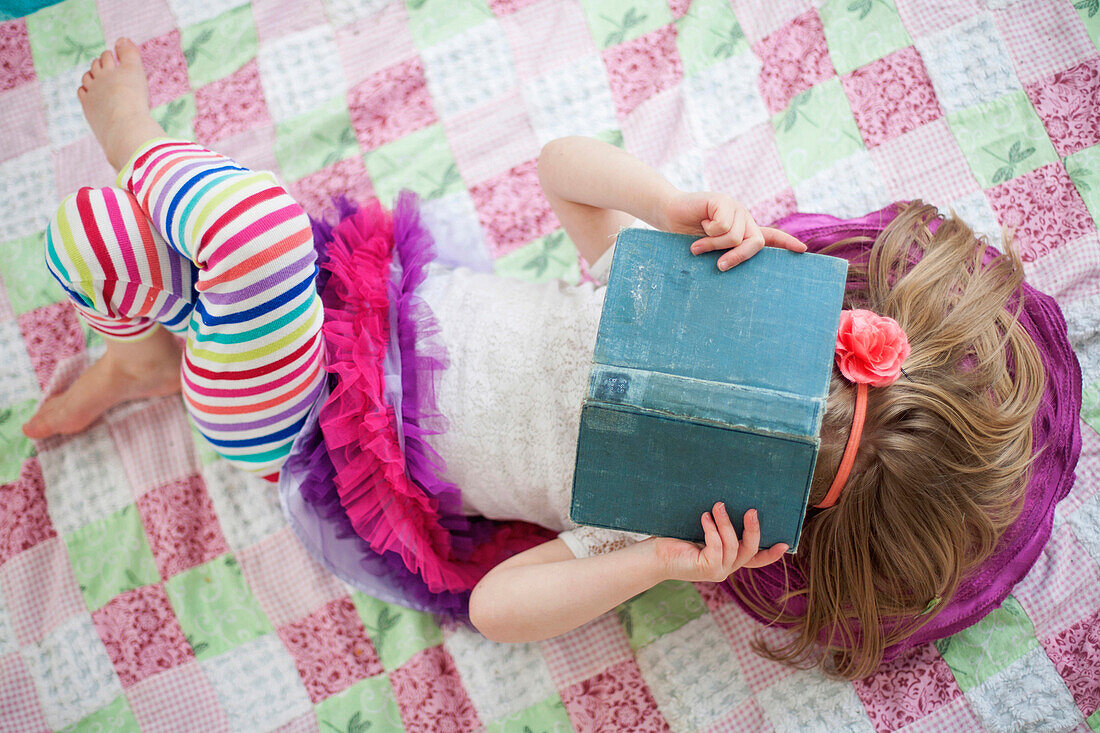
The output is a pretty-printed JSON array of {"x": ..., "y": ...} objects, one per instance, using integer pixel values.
[{"x": 706, "y": 386}]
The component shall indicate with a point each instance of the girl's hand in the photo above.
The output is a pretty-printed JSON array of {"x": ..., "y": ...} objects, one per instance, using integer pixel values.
[
  {"x": 723, "y": 223},
  {"x": 721, "y": 555}
]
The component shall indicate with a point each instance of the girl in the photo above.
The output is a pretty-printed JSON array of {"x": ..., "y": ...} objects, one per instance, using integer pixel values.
[{"x": 413, "y": 380}]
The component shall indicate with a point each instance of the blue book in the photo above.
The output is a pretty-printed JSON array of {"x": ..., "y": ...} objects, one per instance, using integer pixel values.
[{"x": 706, "y": 386}]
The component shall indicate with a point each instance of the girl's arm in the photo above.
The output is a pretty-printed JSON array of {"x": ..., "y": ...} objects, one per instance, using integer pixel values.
[{"x": 546, "y": 591}]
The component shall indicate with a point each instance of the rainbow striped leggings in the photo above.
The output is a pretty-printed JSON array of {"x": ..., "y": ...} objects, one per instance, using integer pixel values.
[{"x": 217, "y": 253}]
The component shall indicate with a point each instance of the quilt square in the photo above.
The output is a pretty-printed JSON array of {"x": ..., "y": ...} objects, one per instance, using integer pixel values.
[
  {"x": 24, "y": 521},
  {"x": 16, "y": 61},
  {"x": 978, "y": 653},
  {"x": 1044, "y": 209},
  {"x": 1074, "y": 652},
  {"x": 723, "y": 100},
  {"x": 469, "y": 69},
  {"x": 548, "y": 714},
  {"x": 640, "y": 68},
  {"x": 138, "y": 20},
  {"x": 315, "y": 140},
  {"x": 331, "y": 649},
  {"x": 397, "y": 633},
  {"x": 177, "y": 117},
  {"x": 373, "y": 43},
  {"x": 925, "y": 163},
  {"x": 547, "y": 35},
  {"x": 795, "y": 58},
  {"x": 816, "y": 131},
  {"x": 746, "y": 716},
  {"x": 111, "y": 556},
  {"x": 153, "y": 439},
  {"x": 1085, "y": 521},
  {"x": 491, "y": 138},
  {"x": 247, "y": 507},
  {"x": 40, "y": 591},
  {"x": 1027, "y": 694},
  {"x": 141, "y": 634},
  {"x": 586, "y": 651},
  {"x": 979, "y": 215},
  {"x": 254, "y": 148},
  {"x": 218, "y": 47},
  {"x": 115, "y": 717},
  {"x": 553, "y": 257},
  {"x": 181, "y": 525},
  {"x": 21, "y": 708},
  {"x": 956, "y": 715},
  {"x": 907, "y": 689},
  {"x": 758, "y": 672},
  {"x": 454, "y": 224},
  {"x": 76, "y": 165},
  {"x": 573, "y": 99},
  {"x": 230, "y": 105},
  {"x": 615, "y": 699},
  {"x": 1083, "y": 168},
  {"x": 1090, "y": 16},
  {"x": 347, "y": 177},
  {"x": 615, "y": 21},
  {"x": 280, "y": 562},
  {"x": 430, "y": 693},
  {"x": 968, "y": 63},
  {"x": 660, "y": 610},
  {"x": 342, "y": 12},
  {"x": 435, "y": 21},
  {"x": 922, "y": 17},
  {"x": 747, "y": 167},
  {"x": 27, "y": 196},
  {"x": 391, "y": 104},
  {"x": 762, "y": 20},
  {"x": 65, "y": 117},
  {"x": 891, "y": 96},
  {"x": 300, "y": 71},
  {"x": 774, "y": 208},
  {"x": 501, "y": 679},
  {"x": 165, "y": 68},
  {"x": 64, "y": 36},
  {"x": 1043, "y": 37},
  {"x": 181, "y": 697},
  {"x": 512, "y": 208},
  {"x": 708, "y": 33},
  {"x": 852, "y": 187},
  {"x": 84, "y": 479},
  {"x": 1002, "y": 139},
  {"x": 861, "y": 32},
  {"x": 808, "y": 700},
  {"x": 257, "y": 685},
  {"x": 1067, "y": 104},
  {"x": 1060, "y": 589},
  {"x": 24, "y": 120},
  {"x": 368, "y": 701},
  {"x": 17, "y": 386},
  {"x": 273, "y": 21}
]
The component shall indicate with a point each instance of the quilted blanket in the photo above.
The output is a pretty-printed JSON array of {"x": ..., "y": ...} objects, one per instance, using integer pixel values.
[{"x": 146, "y": 585}]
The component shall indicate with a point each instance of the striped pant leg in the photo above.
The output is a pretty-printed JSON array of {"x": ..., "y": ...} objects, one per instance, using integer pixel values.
[{"x": 253, "y": 365}]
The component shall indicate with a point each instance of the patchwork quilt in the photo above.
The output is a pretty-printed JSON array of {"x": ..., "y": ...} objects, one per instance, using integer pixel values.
[{"x": 146, "y": 585}]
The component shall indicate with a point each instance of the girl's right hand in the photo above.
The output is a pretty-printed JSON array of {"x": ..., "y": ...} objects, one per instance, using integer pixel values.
[{"x": 722, "y": 554}]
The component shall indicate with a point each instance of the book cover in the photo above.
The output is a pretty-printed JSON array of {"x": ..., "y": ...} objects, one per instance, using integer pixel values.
[{"x": 706, "y": 386}]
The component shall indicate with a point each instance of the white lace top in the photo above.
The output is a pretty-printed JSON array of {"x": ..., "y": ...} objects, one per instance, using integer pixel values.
[{"x": 519, "y": 358}]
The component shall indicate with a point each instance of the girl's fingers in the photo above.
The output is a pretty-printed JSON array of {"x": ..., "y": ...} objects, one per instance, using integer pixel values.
[
  {"x": 727, "y": 533},
  {"x": 750, "y": 543},
  {"x": 779, "y": 238},
  {"x": 768, "y": 556},
  {"x": 712, "y": 552},
  {"x": 739, "y": 254}
]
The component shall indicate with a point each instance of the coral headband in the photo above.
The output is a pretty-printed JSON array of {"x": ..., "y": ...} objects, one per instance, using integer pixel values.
[{"x": 870, "y": 350}]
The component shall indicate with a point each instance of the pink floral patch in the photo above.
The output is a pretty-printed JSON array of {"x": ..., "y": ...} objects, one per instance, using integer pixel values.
[
  {"x": 1069, "y": 105},
  {"x": 141, "y": 634},
  {"x": 52, "y": 333},
  {"x": 391, "y": 104},
  {"x": 16, "y": 62},
  {"x": 907, "y": 688},
  {"x": 166, "y": 68},
  {"x": 512, "y": 209},
  {"x": 230, "y": 105},
  {"x": 1044, "y": 209},
  {"x": 775, "y": 208},
  {"x": 891, "y": 96},
  {"x": 615, "y": 699},
  {"x": 24, "y": 521},
  {"x": 331, "y": 648},
  {"x": 430, "y": 693},
  {"x": 640, "y": 68},
  {"x": 345, "y": 178},
  {"x": 713, "y": 595},
  {"x": 180, "y": 523},
  {"x": 795, "y": 57},
  {"x": 1074, "y": 652}
]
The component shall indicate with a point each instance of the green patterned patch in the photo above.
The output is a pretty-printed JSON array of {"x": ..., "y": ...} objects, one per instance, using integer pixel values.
[
  {"x": 611, "y": 137},
  {"x": 64, "y": 36},
  {"x": 548, "y": 715},
  {"x": 861, "y": 31},
  {"x": 17, "y": 447},
  {"x": 708, "y": 33},
  {"x": 396, "y": 632},
  {"x": 421, "y": 162},
  {"x": 26, "y": 279},
  {"x": 432, "y": 21},
  {"x": 177, "y": 117},
  {"x": 1094, "y": 719},
  {"x": 1089, "y": 10},
  {"x": 217, "y": 47},
  {"x": 1002, "y": 139},
  {"x": 368, "y": 706},
  {"x": 1090, "y": 406},
  {"x": 660, "y": 610},
  {"x": 116, "y": 717},
  {"x": 315, "y": 140},
  {"x": 111, "y": 556},
  {"x": 552, "y": 257},
  {"x": 1083, "y": 168},
  {"x": 614, "y": 21},
  {"x": 215, "y": 607},
  {"x": 816, "y": 130},
  {"x": 976, "y": 654}
]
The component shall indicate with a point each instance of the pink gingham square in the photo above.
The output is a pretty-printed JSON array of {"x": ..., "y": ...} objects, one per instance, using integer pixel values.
[
  {"x": 512, "y": 208},
  {"x": 24, "y": 521},
  {"x": 615, "y": 699},
  {"x": 377, "y": 42},
  {"x": 138, "y": 20},
  {"x": 1044, "y": 208},
  {"x": 52, "y": 334},
  {"x": 922, "y": 17},
  {"x": 746, "y": 716},
  {"x": 19, "y": 706},
  {"x": 16, "y": 62},
  {"x": 141, "y": 634},
  {"x": 657, "y": 131},
  {"x": 1060, "y": 589},
  {"x": 907, "y": 688},
  {"x": 430, "y": 694},
  {"x": 391, "y": 104},
  {"x": 759, "y": 20},
  {"x": 760, "y": 673},
  {"x": 640, "y": 68},
  {"x": 179, "y": 699},
  {"x": 491, "y": 138},
  {"x": 891, "y": 96},
  {"x": 155, "y": 443},
  {"x": 1087, "y": 483},
  {"x": 747, "y": 167},
  {"x": 795, "y": 57},
  {"x": 166, "y": 69},
  {"x": 586, "y": 651},
  {"x": 24, "y": 120},
  {"x": 1068, "y": 102},
  {"x": 274, "y": 19},
  {"x": 547, "y": 35},
  {"x": 40, "y": 590},
  {"x": 1042, "y": 37},
  {"x": 79, "y": 164},
  {"x": 253, "y": 148},
  {"x": 181, "y": 526},
  {"x": 230, "y": 105},
  {"x": 346, "y": 177},
  {"x": 288, "y": 583},
  {"x": 925, "y": 163}
]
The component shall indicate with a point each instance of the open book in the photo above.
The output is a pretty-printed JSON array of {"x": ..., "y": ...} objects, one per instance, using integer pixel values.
[{"x": 706, "y": 386}]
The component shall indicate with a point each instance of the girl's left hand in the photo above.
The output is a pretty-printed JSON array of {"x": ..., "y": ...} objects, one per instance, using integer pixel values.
[{"x": 721, "y": 555}]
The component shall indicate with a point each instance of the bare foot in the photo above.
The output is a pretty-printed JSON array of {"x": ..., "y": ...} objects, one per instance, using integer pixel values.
[
  {"x": 115, "y": 98},
  {"x": 128, "y": 371}
]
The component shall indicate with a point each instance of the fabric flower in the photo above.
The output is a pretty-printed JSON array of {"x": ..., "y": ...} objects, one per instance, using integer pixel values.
[{"x": 870, "y": 348}]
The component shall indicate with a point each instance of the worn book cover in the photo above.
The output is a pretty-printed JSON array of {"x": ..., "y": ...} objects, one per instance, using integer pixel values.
[{"x": 706, "y": 386}]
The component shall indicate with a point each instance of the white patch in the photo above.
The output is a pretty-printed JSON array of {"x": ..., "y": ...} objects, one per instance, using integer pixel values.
[
  {"x": 63, "y": 110},
  {"x": 852, "y": 187},
  {"x": 1028, "y": 695},
  {"x": 84, "y": 480},
  {"x": 968, "y": 64},
  {"x": 247, "y": 506},
  {"x": 723, "y": 101},
  {"x": 978, "y": 213},
  {"x": 17, "y": 379},
  {"x": 300, "y": 72},
  {"x": 456, "y": 229},
  {"x": 807, "y": 700},
  {"x": 469, "y": 69},
  {"x": 28, "y": 196},
  {"x": 574, "y": 99},
  {"x": 501, "y": 679},
  {"x": 258, "y": 685}
]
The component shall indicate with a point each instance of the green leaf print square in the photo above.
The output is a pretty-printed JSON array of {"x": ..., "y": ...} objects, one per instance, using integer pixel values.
[
  {"x": 1083, "y": 168},
  {"x": 1090, "y": 407},
  {"x": 396, "y": 632},
  {"x": 17, "y": 447},
  {"x": 548, "y": 715},
  {"x": 116, "y": 717},
  {"x": 27, "y": 281},
  {"x": 614, "y": 21},
  {"x": 421, "y": 162},
  {"x": 177, "y": 117},
  {"x": 1002, "y": 139},
  {"x": 368, "y": 706},
  {"x": 215, "y": 607},
  {"x": 612, "y": 137},
  {"x": 1089, "y": 10},
  {"x": 432, "y": 21},
  {"x": 861, "y": 31},
  {"x": 661, "y": 609},
  {"x": 315, "y": 140},
  {"x": 65, "y": 35},
  {"x": 976, "y": 654},
  {"x": 111, "y": 556},
  {"x": 217, "y": 47},
  {"x": 708, "y": 33},
  {"x": 816, "y": 130},
  {"x": 552, "y": 257}
]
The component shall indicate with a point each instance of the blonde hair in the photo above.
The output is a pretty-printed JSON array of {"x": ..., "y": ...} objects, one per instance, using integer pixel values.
[{"x": 945, "y": 454}]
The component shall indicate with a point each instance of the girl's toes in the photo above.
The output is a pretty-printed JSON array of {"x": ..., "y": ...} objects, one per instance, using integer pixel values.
[
  {"x": 127, "y": 51},
  {"x": 107, "y": 60},
  {"x": 86, "y": 80},
  {"x": 96, "y": 66}
]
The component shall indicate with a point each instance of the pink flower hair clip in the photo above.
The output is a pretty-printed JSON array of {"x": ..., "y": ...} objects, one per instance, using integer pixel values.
[{"x": 870, "y": 350}]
